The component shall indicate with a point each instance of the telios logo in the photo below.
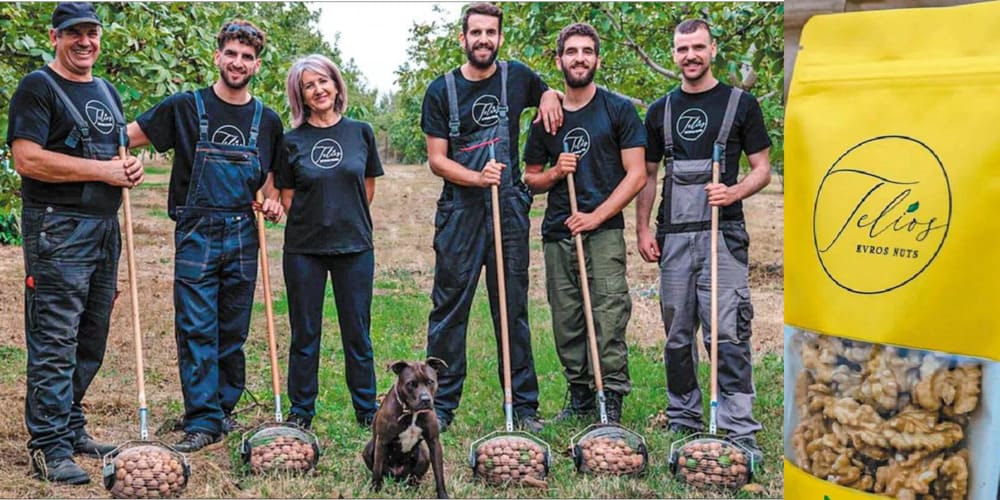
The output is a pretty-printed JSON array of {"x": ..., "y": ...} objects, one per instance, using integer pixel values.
[
  {"x": 327, "y": 153},
  {"x": 691, "y": 124},
  {"x": 485, "y": 111},
  {"x": 100, "y": 116},
  {"x": 577, "y": 141},
  {"x": 229, "y": 135},
  {"x": 881, "y": 214}
]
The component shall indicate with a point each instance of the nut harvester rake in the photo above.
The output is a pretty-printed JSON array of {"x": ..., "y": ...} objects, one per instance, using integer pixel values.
[
  {"x": 710, "y": 459},
  {"x": 141, "y": 468},
  {"x": 507, "y": 457},
  {"x": 276, "y": 446},
  {"x": 605, "y": 447}
]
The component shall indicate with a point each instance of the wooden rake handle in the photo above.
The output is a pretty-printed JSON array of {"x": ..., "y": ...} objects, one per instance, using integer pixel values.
[
  {"x": 133, "y": 292},
  {"x": 272, "y": 345},
  {"x": 588, "y": 312},
  {"x": 714, "y": 348},
  {"x": 508, "y": 395}
]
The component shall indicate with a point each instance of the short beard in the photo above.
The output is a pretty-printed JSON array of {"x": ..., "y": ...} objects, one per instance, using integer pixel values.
[
  {"x": 234, "y": 85},
  {"x": 575, "y": 83},
  {"x": 471, "y": 56}
]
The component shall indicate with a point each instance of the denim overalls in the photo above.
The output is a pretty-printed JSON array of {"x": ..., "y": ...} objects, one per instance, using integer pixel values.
[
  {"x": 215, "y": 271},
  {"x": 685, "y": 291},
  {"x": 71, "y": 268},
  {"x": 463, "y": 243}
]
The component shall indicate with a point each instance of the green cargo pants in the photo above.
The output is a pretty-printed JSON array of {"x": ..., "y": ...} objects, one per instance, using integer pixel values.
[{"x": 605, "y": 260}]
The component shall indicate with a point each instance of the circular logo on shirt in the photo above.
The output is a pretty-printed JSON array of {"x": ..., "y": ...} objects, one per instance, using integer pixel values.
[
  {"x": 692, "y": 124},
  {"x": 327, "y": 153},
  {"x": 881, "y": 214},
  {"x": 577, "y": 141},
  {"x": 485, "y": 110},
  {"x": 229, "y": 135},
  {"x": 100, "y": 116}
]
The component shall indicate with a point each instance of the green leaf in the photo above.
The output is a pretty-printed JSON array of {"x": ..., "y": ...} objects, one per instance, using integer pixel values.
[{"x": 913, "y": 207}]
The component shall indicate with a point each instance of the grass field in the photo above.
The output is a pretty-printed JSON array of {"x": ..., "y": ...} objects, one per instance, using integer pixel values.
[{"x": 403, "y": 211}]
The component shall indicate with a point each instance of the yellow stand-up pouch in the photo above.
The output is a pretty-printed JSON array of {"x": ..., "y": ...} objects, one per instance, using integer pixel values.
[{"x": 892, "y": 255}]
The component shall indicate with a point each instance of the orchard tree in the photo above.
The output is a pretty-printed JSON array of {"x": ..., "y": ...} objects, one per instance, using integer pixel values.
[
  {"x": 152, "y": 50},
  {"x": 636, "y": 41}
]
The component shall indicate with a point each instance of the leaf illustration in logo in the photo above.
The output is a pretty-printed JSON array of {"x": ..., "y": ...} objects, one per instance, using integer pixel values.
[{"x": 913, "y": 207}]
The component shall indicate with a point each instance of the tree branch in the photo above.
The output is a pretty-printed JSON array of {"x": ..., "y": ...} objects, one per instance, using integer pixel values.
[{"x": 630, "y": 43}]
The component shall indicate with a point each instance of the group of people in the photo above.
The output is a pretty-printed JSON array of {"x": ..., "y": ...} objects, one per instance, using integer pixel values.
[{"x": 232, "y": 157}]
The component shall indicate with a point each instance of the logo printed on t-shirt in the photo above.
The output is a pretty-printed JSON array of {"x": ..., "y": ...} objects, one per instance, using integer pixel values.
[
  {"x": 100, "y": 116},
  {"x": 229, "y": 135},
  {"x": 485, "y": 110},
  {"x": 577, "y": 141},
  {"x": 327, "y": 153},
  {"x": 691, "y": 124}
]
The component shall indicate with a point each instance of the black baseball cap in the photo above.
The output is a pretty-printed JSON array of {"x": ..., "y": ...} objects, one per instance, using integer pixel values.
[{"x": 71, "y": 13}]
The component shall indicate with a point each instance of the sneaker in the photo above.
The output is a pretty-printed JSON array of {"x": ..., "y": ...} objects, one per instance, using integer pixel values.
[
  {"x": 750, "y": 444},
  {"x": 530, "y": 423},
  {"x": 58, "y": 470},
  {"x": 682, "y": 429},
  {"x": 87, "y": 446},
  {"x": 230, "y": 424},
  {"x": 299, "y": 421},
  {"x": 194, "y": 441}
]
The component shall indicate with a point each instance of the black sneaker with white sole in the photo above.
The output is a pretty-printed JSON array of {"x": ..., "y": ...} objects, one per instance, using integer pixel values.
[{"x": 194, "y": 441}]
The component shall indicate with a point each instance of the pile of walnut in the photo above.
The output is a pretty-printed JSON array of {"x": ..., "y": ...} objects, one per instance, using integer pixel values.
[
  {"x": 883, "y": 419},
  {"x": 510, "y": 459},
  {"x": 284, "y": 453},
  {"x": 607, "y": 455},
  {"x": 148, "y": 472},
  {"x": 713, "y": 463}
]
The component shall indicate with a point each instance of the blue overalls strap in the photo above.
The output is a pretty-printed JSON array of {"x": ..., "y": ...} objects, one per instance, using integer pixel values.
[
  {"x": 117, "y": 113},
  {"x": 668, "y": 133},
  {"x": 727, "y": 120},
  {"x": 80, "y": 129},
  {"x": 255, "y": 125},
  {"x": 202, "y": 117},
  {"x": 453, "y": 121},
  {"x": 502, "y": 111}
]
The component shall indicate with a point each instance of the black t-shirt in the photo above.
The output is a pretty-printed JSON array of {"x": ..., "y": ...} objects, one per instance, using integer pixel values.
[
  {"x": 478, "y": 102},
  {"x": 173, "y": 124},
  {"x": 38, "y": 114},
  {"x": 697, "y": 119},
  {"x": 327, "y": 168},
  {"x": 597, "y": 134}
]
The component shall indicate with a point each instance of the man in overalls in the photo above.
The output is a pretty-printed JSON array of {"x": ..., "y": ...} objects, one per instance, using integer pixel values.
[
  {"x": 467, "y": 113},
  {"x": 683, "y": 127},
  {"x": 64, "y": 129},
  {"x": 226, "y": 145}
]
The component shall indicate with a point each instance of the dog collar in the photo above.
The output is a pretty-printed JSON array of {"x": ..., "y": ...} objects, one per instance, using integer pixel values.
[{"x": 407, "y": 412}]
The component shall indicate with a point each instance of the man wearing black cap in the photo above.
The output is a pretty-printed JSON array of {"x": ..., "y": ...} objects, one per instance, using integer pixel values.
[{"x": 63, "y": 132}]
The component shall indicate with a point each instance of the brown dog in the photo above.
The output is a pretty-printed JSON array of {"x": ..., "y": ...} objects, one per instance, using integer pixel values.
[{"x": 406, "y": 429}]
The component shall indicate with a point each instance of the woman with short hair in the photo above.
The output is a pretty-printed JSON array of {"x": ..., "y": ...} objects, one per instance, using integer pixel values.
[{"x": 326, "y": 189}]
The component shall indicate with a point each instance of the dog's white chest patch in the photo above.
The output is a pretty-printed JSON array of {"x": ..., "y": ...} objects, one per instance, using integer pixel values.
[{"x": 410, "y": 437}]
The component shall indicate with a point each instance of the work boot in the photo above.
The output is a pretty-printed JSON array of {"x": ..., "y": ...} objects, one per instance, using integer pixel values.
[
  {"x": 299, "y": 421},
  {"x": 88, "y": 446},
  {"x": 530, "y": 423},
  {"x": 613, "y": 405},
  {"x": 194, "y": 441},
  {"x": 682, "y": 430},
  {"x": 58, "y": 470},
  {"x": 581, "y": 404},
  {"x": 750, "y": 444}
]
